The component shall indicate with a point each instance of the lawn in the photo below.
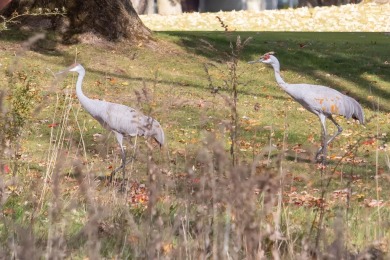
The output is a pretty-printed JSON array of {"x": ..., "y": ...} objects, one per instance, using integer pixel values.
[{"x": 188, "y": 200}]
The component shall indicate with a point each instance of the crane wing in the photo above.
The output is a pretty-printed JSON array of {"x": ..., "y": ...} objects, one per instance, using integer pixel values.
[
  {"x": 128, "y": 121},
  {"x": 320, "y": 99}
]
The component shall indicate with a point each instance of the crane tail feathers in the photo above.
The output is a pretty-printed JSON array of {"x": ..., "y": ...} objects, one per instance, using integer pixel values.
[
  {"x": 356, "y": 111},
  {"x": 159, "y": 136}
]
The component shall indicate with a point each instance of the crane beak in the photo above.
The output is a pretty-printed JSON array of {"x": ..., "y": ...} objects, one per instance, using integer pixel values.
[
  {"x": 255, "y": 61},
  {"x": 68, "y": 69},
  {"x": 62, "y": 72}
]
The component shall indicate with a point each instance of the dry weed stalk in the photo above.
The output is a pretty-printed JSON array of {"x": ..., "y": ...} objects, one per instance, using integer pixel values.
[
  {"x": 56, "y": 245},
  {"x": 57, "y": 139},
  {"x": 227, "y": 221},
  {"x": 232, "y": 81}
]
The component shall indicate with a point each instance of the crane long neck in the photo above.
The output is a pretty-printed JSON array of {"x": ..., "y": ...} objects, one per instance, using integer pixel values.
[
  {"x": 278, "y": 78},
  {"x": 80, "y": 95}
]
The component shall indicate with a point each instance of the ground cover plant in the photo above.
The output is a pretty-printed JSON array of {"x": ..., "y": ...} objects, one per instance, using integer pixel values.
[{"x": 236, "y": 178}]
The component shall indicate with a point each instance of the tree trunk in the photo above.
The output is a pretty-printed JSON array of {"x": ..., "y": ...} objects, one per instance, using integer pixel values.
[
  {"x": 150, "y": 7},
  {"x": 190, "y": 5},
  {"x": 113, "y": 20},
  {"x": 143, "y": 6},
  {"x": 271, "y": 4},
  {"x": 221, "y": 5},
  {"x": 254, "y": 5},
  {"x": 139, "y": 6},
  {"x": 169, "y": 7}
]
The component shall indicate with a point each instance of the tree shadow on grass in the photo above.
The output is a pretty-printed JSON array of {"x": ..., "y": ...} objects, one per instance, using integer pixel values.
[{"x": 46, "y": 46}]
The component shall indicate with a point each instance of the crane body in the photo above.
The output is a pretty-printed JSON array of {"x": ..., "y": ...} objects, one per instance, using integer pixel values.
[
  {"x": 312, "y": 98},
  {"x": 122, "y": 120},
  {"x": 319, "y": 100}
]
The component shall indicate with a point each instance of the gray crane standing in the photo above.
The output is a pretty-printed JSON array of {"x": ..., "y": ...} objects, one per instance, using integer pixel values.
[
  {"x": 320, "y": 100},
  {"x": 122, "y": 120}
]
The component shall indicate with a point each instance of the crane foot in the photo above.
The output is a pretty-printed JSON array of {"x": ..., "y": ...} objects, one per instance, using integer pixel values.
[
  {"x": 320, "y": 157},
  {"x": 122, "y": 188}
]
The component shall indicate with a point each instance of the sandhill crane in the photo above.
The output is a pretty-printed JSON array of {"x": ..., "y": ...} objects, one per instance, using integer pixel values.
[
  {"x": 120, "y": 119},
  {"x": 320, "y": 100}
]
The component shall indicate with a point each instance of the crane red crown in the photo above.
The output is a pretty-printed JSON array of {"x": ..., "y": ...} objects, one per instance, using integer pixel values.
[{"x": 266, "y": 56}]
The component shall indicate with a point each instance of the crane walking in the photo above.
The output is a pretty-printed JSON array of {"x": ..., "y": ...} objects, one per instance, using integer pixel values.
[
  {"x": 320, "y": 100},
  {"x": 122, "y": 120}
]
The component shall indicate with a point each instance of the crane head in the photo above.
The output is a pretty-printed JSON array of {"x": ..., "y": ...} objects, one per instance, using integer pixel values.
[
  {"x": 266, "y": 58},
  {"x": 76, "y": 67}
]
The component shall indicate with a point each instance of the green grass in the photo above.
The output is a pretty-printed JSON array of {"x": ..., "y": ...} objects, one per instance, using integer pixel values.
[{"x": 180, "y": 99}]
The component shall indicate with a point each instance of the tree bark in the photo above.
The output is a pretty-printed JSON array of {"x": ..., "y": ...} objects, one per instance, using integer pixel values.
[{"x": 112, "y": 19}]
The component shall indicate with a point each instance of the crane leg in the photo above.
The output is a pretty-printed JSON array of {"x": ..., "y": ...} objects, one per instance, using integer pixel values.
[
  {"x": 119, "y": 137},
  {"x": 339, "y": 130},
  {"x": 324, "y": 143},
  {"x": 123, "y": 185},
  {"x": 115, "y": 171},
  {"x": 119, "y": 168}
]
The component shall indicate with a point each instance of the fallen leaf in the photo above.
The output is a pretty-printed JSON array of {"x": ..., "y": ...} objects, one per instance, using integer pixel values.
[
  {"x": 370, "y": 141},
  {"x": 167, "y": 248}
]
